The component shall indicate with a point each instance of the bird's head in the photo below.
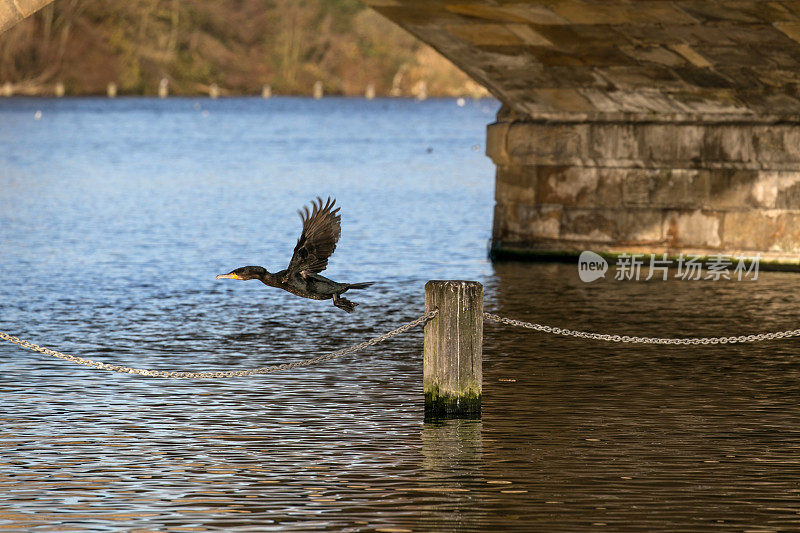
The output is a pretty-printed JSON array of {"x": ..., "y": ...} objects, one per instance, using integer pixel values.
[{"x": 245, "y": 273}]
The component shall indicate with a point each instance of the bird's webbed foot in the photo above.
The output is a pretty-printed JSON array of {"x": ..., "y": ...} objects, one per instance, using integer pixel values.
[{"x": 344, "y": 303}]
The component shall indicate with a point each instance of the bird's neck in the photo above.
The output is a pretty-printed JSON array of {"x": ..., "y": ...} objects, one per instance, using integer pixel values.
[{"x": 269, "y": 279}]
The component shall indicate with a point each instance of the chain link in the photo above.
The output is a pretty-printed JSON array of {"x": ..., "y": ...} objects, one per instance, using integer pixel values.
[
  {"x": 223, "y": 373},
  {"x": 641, "y": 340}
]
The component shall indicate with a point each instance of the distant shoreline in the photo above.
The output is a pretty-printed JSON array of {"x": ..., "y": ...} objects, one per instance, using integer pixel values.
[{"x": 237, "y": 96}]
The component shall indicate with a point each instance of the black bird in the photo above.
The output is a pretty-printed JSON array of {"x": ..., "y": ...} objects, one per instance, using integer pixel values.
[{"x": 321, "y": 230}]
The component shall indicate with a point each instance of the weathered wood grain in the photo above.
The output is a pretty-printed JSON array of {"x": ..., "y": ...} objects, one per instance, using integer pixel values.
[{"x": 453, "y": 349}]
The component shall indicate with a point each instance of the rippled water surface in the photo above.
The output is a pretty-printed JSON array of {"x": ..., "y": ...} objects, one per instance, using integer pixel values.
[{"x": 115, "y": 216}]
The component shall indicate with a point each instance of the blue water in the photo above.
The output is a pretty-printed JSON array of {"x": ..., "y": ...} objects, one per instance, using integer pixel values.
[{"x": 116, "y": 215}]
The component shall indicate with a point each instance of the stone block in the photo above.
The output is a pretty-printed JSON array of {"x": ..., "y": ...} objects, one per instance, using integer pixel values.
[
  {"x": 743, "y": 11},
  {"x": 496, "y": 138},
  {"x": 632, "y": 226},
  {"x": 562, "y": 99},
  {"x": 727, "y": 143},
  {"x": 756, "y": 229},
  {"x": 642, "y": 226},
  {"x": 667, "y": 144},
  {"x": 761, "y": 35},
  {"x": 747, "y": 77},
  {"x": 580, "y": 12},
  {"x": 703, "y": 78},
  {"x": 776, "y": 144},
  {"x": 485, "y": 12},
  {"x": 616, "y": 13},
  {"x": 528, "y": 35},
  {"x": 654, "y": 54},
  {"x": 484, "y": 34},
  {"x": 764, "y": 189},
  {"x": 554, "y": 57},
  {"x": 736, "y": 56},
  {"x": 517, "y": 221},
  {"x": 691, "y": 55},
  {"x": 516, "y": 184},
  {"x": 790, "y": 29},
  {"x": 655, "y": 35},
  {"x": 740, "y": 189},
  {"x": 653, "y": 13},
  {"x": 539, "y": 221},
  {"x": 782, "y": 57},
  {"x": 686, "y": 188},
  {"x": 534, "y": 13},
  {"x": 787, "y": 233},
  {"x": 542, "y": 143},
  {"x": 788, "y": 190},
  {"x": 589, "y": 225},
  {"x": 667, "y": 188},
  {"x": 556, "y": 77},
  {"x": 602, "y": 55},
  {"x": 692, "y": 228},
  {"x": 720, "y": 102},
  {"x": 580, "y": 186},
  {"x": 694, "y": 34},
  {"x": 634, "y": 78},
  {"x": 572, "y": 37},
  {"x": 500, "y": 58},
  {"x": 636, "y": 187},
  {"x": 613, "y": 141},
  {"x": 778, "y": 103},
  {"x": 649, "y": 101}
]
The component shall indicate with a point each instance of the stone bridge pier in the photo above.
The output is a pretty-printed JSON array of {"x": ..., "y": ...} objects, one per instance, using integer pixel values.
[
  {"x": 650, "y": 126},
  {"x": 701, "y": 185}
]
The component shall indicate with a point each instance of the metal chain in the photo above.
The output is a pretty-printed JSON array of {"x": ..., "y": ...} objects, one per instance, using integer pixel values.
[
  {"x": 642, "y": 340},
  {"x": 388, "y": 335},
  {"x": 224, "y": 373}
]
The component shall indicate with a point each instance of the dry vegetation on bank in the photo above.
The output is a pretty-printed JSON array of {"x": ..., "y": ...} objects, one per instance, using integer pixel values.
[{"x": 240, "y": 45}]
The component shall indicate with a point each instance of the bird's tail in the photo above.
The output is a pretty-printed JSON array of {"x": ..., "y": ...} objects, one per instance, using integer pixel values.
[{"x": 359, "y": 285}]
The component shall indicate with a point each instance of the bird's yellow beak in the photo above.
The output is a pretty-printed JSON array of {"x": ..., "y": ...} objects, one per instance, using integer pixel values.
[{"x": 228, "y": 276}]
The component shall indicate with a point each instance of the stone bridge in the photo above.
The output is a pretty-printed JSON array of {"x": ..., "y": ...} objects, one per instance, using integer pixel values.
[
  {"x": 633, "y": 126},
  {"x": 665, "y": 126}
]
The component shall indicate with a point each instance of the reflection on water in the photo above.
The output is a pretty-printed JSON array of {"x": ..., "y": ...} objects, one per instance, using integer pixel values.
[{"x": 111, "y": 238}]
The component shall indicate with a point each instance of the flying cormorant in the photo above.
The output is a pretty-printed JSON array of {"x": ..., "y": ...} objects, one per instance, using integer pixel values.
[{"x": 321, "y": 230}]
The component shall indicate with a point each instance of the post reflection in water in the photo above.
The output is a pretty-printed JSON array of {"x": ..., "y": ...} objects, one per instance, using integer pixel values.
[{"x": 452, "y": 455}]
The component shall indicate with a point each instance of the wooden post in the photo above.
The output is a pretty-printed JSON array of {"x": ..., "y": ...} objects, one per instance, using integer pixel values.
[
  {"x": 422, "y": 90},
  {"x": 453, "y": 350},
  {"x": 266, "y": 91},
  {"x": 213, "y": 91},
  {"x": 369, "y": 94},
  {"x": 318, "y": 90},
  {"x": 163, "y": 88},
  {"x": 111, "y": 89},
  {"x": 60, "y": 89}
]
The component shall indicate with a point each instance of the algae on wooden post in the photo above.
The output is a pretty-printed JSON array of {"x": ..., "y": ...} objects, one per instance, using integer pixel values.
[{"x": 452, "y": 364}]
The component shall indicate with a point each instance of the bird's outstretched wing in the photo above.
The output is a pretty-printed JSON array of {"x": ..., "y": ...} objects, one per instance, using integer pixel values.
[{"x": 321, "y": 230}]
